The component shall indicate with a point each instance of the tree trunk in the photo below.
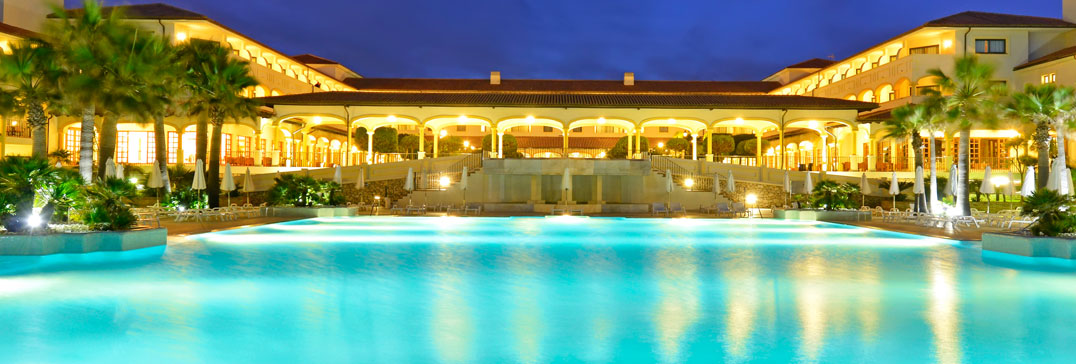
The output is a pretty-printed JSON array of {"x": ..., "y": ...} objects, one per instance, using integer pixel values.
[
  {"x": 35, "y": 116},
  {"x": 107, "y": 147},
  {"x": 1042, "y": 144},
  {"x": 213, "y": 176},
  {"x": 917, "y": 145},
  {"x": 201, "y": 140},
  {"x": 963, "y": 201},
  {"x": 160, "y": 138},
  {"x": 1061, "y": 144},
  {"x": 933, "y": 176},
  {"x": 85, "y": 149}
]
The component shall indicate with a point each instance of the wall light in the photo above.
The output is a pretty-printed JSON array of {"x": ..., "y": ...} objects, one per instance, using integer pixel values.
[
  {"x": 444, "y": 133},
  {"x": 947, "y": 43},
  {"x": 317, "y": 120},
  {"x": 445, "y": 181},
  {"x": 601, "y": 120},
  {"x": 690, "y": 182},
  {"x": 391, "y": 118},
  {"x": 181, "y": 36},
  {"x": 751, "y": 199}
]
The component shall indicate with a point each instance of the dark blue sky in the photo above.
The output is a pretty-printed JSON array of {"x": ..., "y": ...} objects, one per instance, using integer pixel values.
[{"x": 582, "y": 39}]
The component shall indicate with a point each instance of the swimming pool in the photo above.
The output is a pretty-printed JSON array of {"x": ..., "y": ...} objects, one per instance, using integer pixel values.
[{"x": 537, "y": 290}]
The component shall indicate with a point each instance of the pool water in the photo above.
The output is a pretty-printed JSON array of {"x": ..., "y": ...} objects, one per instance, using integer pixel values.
[{"x": 538, "y": 290}]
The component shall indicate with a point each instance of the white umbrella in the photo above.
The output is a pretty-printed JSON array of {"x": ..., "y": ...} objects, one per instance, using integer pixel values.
[
  {"x": 229, "y": 182},
  {"x": 199, "y": 176},
  {"x": 1027, "y": 188},
  {"x": 154, "y": 180},
  {"x": 717, "y": 184},
  {"x": 1055, "y": 172},
  {"x": 950, "y": 185},
  {"x": 864, "y": 188},
  {"x": 338, "y": 175},
  {"x": 463, "y": 185},
  {"x": 360, "y": 182},
  {"x": 119, "y": 171},
  {"x": 566, "y": 184},
  {"x": 987, "y": 187},
  {"x": 110, "y": 169},
  {"x": 788, "y": 187},
  {"x": 1067, "y": 177},
  {"x": 919, "y": 185},
  {"x": 894, "y": 190},
  {"x": 808, "y": 185},
  {"x": 409, "y": 183},
  {"x": 248, "y": 184},
  {"x": 730, "y": 185}
]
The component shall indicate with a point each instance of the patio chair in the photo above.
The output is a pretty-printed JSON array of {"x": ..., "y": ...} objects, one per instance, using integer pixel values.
[
  {"x": 658, "y": 208},
  {"x": 475, "y": 208},
  {"x": 677, "y": 209},
  {"x": 739, "y": 209},
  {"x": 724, "y": 210}
]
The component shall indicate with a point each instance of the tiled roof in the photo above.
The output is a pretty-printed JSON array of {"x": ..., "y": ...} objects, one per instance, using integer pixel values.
[
  {"x": 1061, "y": 54},
  {"x": 568, "y": 99},
  {"x": 18, "y": 32},
  {"x": 813, "y": 63},
  {"x": 981, "y": 19},
  {"x": 312, "y": 59},
  {"x": 876, "y": 116},
  {"x": 437, "y": 84},
  {"x": 147, "y": 11}
]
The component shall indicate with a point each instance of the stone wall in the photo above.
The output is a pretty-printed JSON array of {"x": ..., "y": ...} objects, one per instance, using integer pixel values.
[
  {"x": 390, "y": 189},
  {"x": 768, "y": 195}
]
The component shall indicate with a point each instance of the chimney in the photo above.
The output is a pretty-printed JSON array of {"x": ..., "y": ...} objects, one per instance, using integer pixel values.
[
  {"x": 629, "y": 77},
  {"x": 495, "y": 78},
  {"x": 1068, "y": 10}
]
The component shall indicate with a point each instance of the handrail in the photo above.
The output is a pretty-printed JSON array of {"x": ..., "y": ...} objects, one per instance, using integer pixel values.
[
  {"x": 681, "y": 175},
  {"x": 432, "y": 180}
]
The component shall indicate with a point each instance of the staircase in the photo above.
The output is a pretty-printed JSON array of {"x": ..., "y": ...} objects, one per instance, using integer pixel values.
[
  {"x": 431, "y": 180},
  {"x": 681, "y": 176}
]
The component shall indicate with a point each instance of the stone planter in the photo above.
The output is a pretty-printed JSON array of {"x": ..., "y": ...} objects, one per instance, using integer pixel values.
[
  {"x": 313, "y": 211},
  {"x": 77, "y": 243},
  {"x": 822, "y": 215},
  {"x": 1030, "y": 246}
]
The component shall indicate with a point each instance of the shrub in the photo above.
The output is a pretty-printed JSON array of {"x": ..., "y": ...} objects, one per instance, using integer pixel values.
[
  {"x": 831, "y": 195},
  {"x": 62, "y": 195},
  {"x": 22, "y": 180},
  {"x": 106, "y": 206},
  {"x": 511, "y": 147},
  {"x": 385, "y": 140},
  {"x": 1053, "y": 212},
  {"x": 620, "y": 149},
  {"x": 186, "y": 199},
  {"x": 723, "y": 144},
  {"x": 408, "y": 143},
  {"x": 749, "y": 146},
  {"x": 303, "y": 191}
]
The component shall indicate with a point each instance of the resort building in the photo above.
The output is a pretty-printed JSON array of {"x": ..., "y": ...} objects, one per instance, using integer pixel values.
[{"x": 820, "y": 114}]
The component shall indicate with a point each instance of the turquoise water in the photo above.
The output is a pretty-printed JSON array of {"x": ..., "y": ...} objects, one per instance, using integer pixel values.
[{"x": 538, "y": 290}]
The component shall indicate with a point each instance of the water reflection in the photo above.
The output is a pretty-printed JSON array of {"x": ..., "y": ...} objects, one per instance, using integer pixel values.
[
  {"x": 526, "y": 320},
  {"x": 811, "y": 301},
  {"x": 868, "y": 295},
  {"x": 742, "y": 284},
  {"x": 942, "y": 314},
  {"x": 451, "y": 320},
  {"x": 678, "y": 306}
]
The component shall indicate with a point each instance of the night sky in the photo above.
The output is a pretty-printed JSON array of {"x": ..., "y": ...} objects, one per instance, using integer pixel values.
[{"x": 582, "y": 39}]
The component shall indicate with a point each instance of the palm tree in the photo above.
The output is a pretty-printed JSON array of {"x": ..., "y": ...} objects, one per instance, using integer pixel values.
[
  {"x": 85, "y": 41},
  {"x": 1042, "y": 106},
  {"x": 970, "y": 98},
  {"x": 215, "y": 81},
  {"x": 32, "y": 72},
  {"x": 906, "y": 124}
]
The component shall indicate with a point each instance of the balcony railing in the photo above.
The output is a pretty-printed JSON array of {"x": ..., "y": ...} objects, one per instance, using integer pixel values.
[{"x": 18, "y": 131}]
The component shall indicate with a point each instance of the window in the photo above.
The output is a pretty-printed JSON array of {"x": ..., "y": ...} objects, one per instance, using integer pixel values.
[
  {"x": 547, "y": 129},
  {"x": 136, "y": 147},
  {"x": 1049, "y": 78},
  {"x": 173, "y": 146},
  {"x": 226, "y": 146},
  {"x": 71, "y": 141},
  {"x": 663, "y": 129},
  {"x": 989, "y": 46},
  {"x": 924, "y": 50},
  {"x": 461, "y": 127},
  {"x": 190, "y": 142},
  {"x": 243, "y": 146}
]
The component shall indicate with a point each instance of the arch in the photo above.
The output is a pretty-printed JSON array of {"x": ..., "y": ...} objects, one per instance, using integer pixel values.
[
  {"x": 928, "y": 82},
  {"x": 850, "y": 97},
  {"x": 692, "y": 125},
  {"x": 885, "y": 93},
  {"x": 443, "y": 121},
  {"x": 259, "y": 91},
  {"x": 622, "y": 123},
  {"x": 903, "y": 88},
  {"x": 314, "y": 119},
  {"x": 757, "y": 124},
  {"x": 274, "y": 93},
  {"x": 867, "y": 95},
  {"x": 373, "y": 121},
  {"x": 805, "y": 145},
  {"x": 511, "y": 122},
  {"x": 335, "y": 144}
]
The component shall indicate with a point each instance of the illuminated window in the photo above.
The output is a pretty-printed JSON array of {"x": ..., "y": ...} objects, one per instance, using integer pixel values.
[
  {"x": 226, "y": 146},
  {"x": 1049, "y": 78},
  {"x": 136, "y": 147},
  {"x": 173, "y": 146},
  {"x": 924, "y": 50},
  {"x": 990, "y": 46},
  {"x": 190, "y": 141},
  {"x": 242, "y": 144},
  {"x": 71, "y": 142}
]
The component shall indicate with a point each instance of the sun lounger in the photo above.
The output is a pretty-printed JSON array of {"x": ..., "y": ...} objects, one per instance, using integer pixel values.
[
  {"x": 739, "y": 209},
  {"x": 658, "y": 208},
  {"x": 677, "y": 209},
  {"x": 475, "y": 208}
]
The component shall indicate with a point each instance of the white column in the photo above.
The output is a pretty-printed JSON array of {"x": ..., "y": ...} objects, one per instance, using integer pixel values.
[
  {"x": 694, "y": 147},
  {"x": 421, "y": 142},
  {"x": 370, "y": 147},
  {"x": 500, "y": 145},
  {"x": 825, "y": 153},
  {"x": 629, "y": 151},
  {"x": 436, "y": 136},
  {"x": 854, "y": 157}
]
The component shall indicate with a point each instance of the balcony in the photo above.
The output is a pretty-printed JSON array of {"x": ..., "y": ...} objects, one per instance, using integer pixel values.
[{"x": 911, "y": 67}]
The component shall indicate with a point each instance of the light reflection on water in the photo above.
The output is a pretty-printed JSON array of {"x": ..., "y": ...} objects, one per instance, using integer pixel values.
[{"x": 533, "y": 290}]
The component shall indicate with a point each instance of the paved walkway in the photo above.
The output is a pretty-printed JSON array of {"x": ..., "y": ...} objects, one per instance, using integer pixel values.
[
  {"x": 965, "y": 234},
  {"x": 182, "y": 229}
]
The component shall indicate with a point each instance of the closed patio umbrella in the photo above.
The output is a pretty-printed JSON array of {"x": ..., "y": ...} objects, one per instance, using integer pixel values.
[
  {"x": 950, "y": 185},
  {"x": 409, "y": 183},
  {"x": 119, "y": 171},
  {"x": 788, "y": 187},
  {"x": 864, "y": 188},
  {"x": 808, "y": 184},
  {"x": 199, "y": 176},
  {"x": 566, "y": 184},
  {"x": 1055, "y": 172},
  {"x": 110, "y": 169},
  {"x": 248, "y": 184},
  {"x": 717, "y": 184},
  {"x": 894, "y": 189},
  {"x": 918, "y": 187},
  {"x": 360, "y": 182},
  {"x": 987, "y": 187},
  {"x": 1067, "y": 177},
  {"x": 1027, "y": 188},
  {"x": 338, "y": 175},
  {"x": 154, "y": 180},
  {"x": 730, "y": 185},
  {"x": 228, "y": 185},
  {"x": 1009, "y": 187},
  {"x": 463, "y": 185}
]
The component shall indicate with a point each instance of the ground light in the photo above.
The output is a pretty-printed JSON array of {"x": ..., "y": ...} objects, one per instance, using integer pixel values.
[
  {"x": 752, "y": 199},
  {"x": 690, "y": 182}
]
